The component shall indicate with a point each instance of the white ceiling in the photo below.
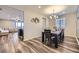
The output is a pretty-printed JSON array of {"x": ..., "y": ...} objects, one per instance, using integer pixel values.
[
  {"x": 16, "y": 11},
  {"x": 48, "y": 9},
  {"x": 9, "y": 13},
  {"x": 33, "y": 8}
]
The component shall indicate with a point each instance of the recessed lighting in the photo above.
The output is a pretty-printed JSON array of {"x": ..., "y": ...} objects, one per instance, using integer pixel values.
[{"x": 39, "y": 6}]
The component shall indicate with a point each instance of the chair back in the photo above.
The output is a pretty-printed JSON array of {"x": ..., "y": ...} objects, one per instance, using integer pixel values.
[
  {"x": 62, "y": 34},
  {"x": 20, "y": 31},
  {"x": 47, "y": 33}
]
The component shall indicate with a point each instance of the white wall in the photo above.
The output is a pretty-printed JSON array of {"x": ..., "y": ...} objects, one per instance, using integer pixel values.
[
  {"x": 70, "y": 29},
  {"x": 32, "y": 30}
]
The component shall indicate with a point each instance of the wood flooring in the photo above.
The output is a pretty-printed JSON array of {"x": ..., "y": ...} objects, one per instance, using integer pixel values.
[{"x": 36, "y": 46}]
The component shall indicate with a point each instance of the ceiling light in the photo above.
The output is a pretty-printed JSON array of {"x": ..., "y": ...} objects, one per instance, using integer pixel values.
[
  {"x": 57, "y": 8},
  {"x": 39, "y": 6},
  {"x": 53, "y": 16}
]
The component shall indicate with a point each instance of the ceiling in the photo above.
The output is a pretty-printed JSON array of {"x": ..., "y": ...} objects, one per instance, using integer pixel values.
[
  {"x": 15, "y": 12},
  {"x": 9, "y": 13},
  {"x": 48, "y": 9}
]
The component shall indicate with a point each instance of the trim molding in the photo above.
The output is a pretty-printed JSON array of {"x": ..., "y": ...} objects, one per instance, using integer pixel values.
[
  {"x": 74, "y": 38},
  {"x": 71, "y": 37},
  {"x": 31, "y": 38}
]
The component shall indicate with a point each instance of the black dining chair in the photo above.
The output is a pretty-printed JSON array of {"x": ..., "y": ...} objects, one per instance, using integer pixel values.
[
  {"x": 48, "y": 37},
  {"x": 62, "y": 35},
  {"x": 55, "y": 40},
  {"x": 21, "y": 34}
]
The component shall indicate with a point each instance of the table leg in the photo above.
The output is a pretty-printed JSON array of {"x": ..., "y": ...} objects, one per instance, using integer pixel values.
[{"x": 42, "y": 36}]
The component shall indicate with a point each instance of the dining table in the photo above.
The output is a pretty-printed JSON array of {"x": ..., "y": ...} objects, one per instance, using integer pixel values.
[{"x": 55, "y": 34}]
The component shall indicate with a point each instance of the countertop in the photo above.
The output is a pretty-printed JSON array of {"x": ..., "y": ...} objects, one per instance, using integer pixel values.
[{"x": 6, "y": 33}]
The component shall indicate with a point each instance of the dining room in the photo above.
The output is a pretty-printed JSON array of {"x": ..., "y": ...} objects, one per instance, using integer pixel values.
[
  {"x": 50, "y": 28},
  {"x": 40, "y": 28}
]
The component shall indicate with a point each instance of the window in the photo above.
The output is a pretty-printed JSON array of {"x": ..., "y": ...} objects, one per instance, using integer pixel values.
[
  {"x": 60, "y": 23},
  {"x": 19, "y": 24},
  {"x": 22, "y": 24}
]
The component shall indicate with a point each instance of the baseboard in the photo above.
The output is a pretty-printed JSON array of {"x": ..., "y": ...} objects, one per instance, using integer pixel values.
[
  {"x": 71, "y": 37},
  {"x": 77, "y": 39},
  {"x": 31, "y": 38},
  {"x": 74, "y": 38},
  {"x": 40, "y": 37},
  {"x": 65, "y": 36}
]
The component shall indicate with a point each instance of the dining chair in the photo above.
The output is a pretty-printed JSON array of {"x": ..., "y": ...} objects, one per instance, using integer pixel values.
[
  {"x": 62, "y": 35},
  {"x": 47, "y": 36}
]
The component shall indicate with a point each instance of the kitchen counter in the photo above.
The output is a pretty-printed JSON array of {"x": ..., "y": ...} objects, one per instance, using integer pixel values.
[
  {"x": 13, "y": 31},
  {"x": 7, "y": 33},
  {"x": 4, "y": 33}
]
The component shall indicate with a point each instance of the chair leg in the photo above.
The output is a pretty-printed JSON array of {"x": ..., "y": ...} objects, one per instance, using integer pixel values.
[
  {"x": 56, "y": 42},
  {"x": 42, "y": 37},
  {"x": 49, "y": 42},
  {"x": 56, "y": 45}
]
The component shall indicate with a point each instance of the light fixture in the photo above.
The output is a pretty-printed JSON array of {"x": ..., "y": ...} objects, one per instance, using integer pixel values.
[
  {"x": 53, "y": 16},
  {"x": 39, "y": 6}
]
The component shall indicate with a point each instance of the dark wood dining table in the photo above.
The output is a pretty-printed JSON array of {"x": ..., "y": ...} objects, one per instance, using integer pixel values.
[{"x": 55, "y": 34}]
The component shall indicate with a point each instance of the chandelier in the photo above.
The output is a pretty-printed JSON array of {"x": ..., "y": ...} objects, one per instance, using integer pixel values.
[{"x": 53, "y": 16}]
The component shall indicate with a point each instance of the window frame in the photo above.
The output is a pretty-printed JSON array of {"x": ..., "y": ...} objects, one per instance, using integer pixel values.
[{"x": 61, "y": 23}]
